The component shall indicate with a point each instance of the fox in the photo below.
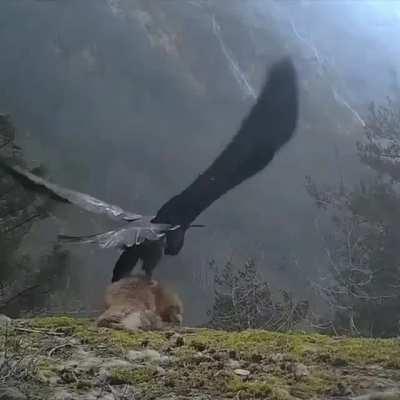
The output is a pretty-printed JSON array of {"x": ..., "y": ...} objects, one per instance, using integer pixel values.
[{"x": 137, "y": 303}]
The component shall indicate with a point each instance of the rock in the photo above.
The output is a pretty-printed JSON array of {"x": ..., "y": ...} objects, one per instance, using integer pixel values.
[
  {"x": 144, "y": 355},
  {"x": 152, "y": 355},
  {"x": 234, "y": 364},
  {"x": 165, "y": 360},
  {"x": 277, "y": 357},
  {"x": 105, "y": 396},
  {"x": 134, "y": 355},
  {"x": 241, "y": 372},
  {"x": 83, "y": 361},
  {"x": 5, "y": 321},
  {"x": 64, "y": 395},
  {"x": 387, "y": 395},
  {"x": 47, "y": 378},
  {"x": 221, "y": 356},
  {"x": 11, "y": 394},
  {"x": 269, "y": 368},
  {"x": 161, "y": 371},
  {"x": 103, "y": 375},
  {"x": 114, "y": 363},
  {"x": 300, "y": 371},
  {"x": 100, "y": 368}
]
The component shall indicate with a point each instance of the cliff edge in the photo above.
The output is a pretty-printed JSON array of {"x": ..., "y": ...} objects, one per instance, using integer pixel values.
[{"x": 66, "y": 358}]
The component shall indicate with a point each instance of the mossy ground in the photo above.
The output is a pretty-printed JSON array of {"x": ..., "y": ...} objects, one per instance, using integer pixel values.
[{"x": 202, "y": 361}]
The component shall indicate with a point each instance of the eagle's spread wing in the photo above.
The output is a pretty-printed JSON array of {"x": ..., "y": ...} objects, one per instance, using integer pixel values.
[
  {"x": 269, "y": 125},
  {"x": 127, "y": 236},
  {"x": 145, "y": 242},
  {"x": 81, "y": 200}
]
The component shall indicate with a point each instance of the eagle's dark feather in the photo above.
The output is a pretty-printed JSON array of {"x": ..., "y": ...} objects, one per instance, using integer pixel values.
[{"x": 269, "y": 125}]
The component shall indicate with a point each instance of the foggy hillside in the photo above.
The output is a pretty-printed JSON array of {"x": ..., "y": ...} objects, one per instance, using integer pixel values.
[{"x": 129, "y": 100}]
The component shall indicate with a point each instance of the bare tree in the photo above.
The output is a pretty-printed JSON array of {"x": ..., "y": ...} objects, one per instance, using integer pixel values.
[
  {"x": 363, "y": 286},
  {"x": 243, "y": 300}
]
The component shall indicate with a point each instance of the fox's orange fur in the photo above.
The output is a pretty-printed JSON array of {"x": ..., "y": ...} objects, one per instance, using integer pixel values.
[{"x": 135, "y": 302}]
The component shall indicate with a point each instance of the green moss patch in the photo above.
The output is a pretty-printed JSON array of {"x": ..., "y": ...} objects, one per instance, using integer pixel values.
[
  {"x": 135, "y": 376},
  {"x": 89, "y": 334},
  {"x": 303, "y": 347}
]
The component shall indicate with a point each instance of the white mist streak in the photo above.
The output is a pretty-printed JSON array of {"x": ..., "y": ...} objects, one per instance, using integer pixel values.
[
  {"x": 342, "y": 101},
  {"x": 239, "y": 75},
  {"x": 338, "y": 98}
]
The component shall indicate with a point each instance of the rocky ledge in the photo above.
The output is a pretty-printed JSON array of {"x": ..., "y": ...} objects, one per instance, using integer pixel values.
[{"x": 66, "y": 358}]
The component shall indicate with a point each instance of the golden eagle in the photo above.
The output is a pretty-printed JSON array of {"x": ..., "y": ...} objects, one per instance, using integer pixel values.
[{"x": 269, "y": 125}]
